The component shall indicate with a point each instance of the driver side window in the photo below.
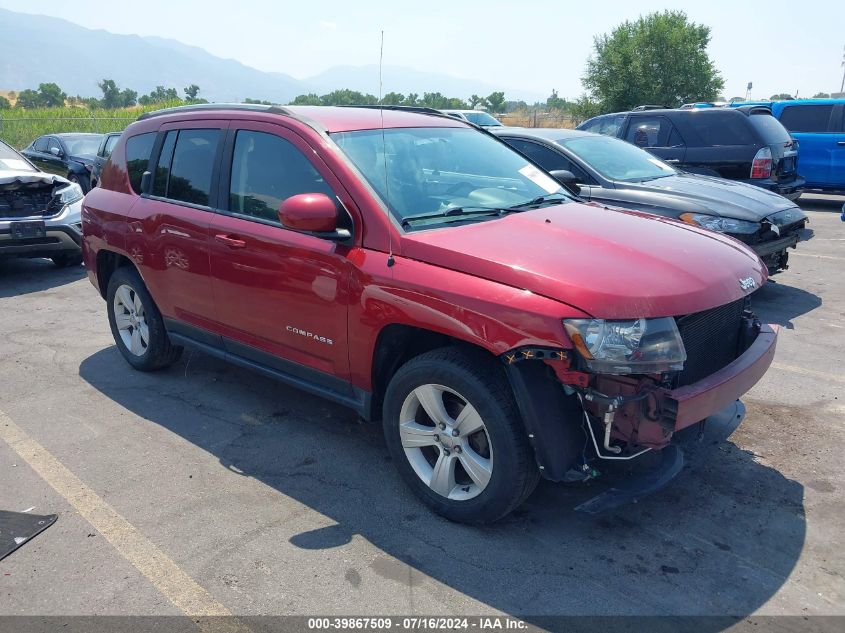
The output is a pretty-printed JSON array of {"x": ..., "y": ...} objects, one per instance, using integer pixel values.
[
  {"x": 266, "y": 170},
  {"x": 549, "y": 159}
]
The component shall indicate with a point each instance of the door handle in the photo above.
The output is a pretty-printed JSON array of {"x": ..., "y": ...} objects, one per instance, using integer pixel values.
[
  {"x": 840, "y": 142},
  {"x": 672, "y": 160},
  {"x": 231, "y": 242}
]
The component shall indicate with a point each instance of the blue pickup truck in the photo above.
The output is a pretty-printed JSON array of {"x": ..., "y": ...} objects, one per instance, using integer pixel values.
[{"x": 819, "y": 127}]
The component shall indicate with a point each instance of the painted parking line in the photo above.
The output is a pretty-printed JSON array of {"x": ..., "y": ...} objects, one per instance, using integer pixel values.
[
  {"x": 800, "y": 254},
  {"x": 809, "y": 372},
  {"x": 164, "y": 574}
]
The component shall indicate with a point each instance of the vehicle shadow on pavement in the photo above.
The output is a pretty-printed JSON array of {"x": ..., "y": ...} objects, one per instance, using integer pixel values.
[
  {"x": 27, "y": 276},
  {"x": 780, "y": 303},
  {"x": 719, "y": 540}
]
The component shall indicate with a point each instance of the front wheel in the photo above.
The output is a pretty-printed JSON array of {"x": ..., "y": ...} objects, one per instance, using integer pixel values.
[
  {"x": 454, "y": 432},
  {"x": 136, "y": 323}
]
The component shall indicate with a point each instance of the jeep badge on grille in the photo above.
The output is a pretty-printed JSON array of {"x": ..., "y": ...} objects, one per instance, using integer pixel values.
[{"x": 748, "y": 283}]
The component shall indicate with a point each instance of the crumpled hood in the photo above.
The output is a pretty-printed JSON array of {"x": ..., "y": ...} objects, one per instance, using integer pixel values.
[
  {"x": 694, "y": 193},
  {"x": 609, "y": 263},
  {"x": 17, "y": 176}
]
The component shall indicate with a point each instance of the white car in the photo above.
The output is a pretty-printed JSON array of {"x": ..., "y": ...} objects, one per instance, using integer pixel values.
[
  {"x": 476, "y": 117},
  {"x": 40, "y": 213}
]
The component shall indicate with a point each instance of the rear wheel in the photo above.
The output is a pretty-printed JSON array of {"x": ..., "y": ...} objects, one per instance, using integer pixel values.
[
  {"x": 454, "y": 433},
  {"x": 136, "y": 323}
]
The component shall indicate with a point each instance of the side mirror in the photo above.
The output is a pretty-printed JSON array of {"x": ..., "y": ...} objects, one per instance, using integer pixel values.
[
  {"x": 567, "y": 179},
  {"x": 55, "y": 151},
  {"x": 312, "y": 213}
]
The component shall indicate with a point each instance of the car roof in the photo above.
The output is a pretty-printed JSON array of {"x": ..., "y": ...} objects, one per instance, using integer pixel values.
[
  {"x": 73, "y": 134},
  {"x": 545, "y": 133},
  {"x": 327, "y": 118}
]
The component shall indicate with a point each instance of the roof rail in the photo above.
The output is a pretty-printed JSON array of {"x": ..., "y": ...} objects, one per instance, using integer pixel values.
[
  {"x": 211, "y": 107},
  {"x": 641, "y": 108},
  {"x": 400, "y": 108}
]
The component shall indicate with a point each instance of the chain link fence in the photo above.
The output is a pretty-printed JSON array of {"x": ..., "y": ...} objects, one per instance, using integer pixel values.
[
  {"x": 21, "y": 131},
  {"x": 525, "y": 118}
]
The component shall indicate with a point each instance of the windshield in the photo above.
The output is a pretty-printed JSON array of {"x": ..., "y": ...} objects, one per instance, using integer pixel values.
[
  {"x": 617, "y": 160},
  {"x": 433, "y": 170},
  {"x": 482, "y": 118},
  {"x": 10, "y": 159},
  {"x": 79, "y": 145}
]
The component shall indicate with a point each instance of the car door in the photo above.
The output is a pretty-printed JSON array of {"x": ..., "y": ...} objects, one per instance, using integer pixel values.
[
  {"x": 103, "y": 154},
  {"x": 53, "y": 163},
  {"x": 281, "y": 295},
  {"x": 168, "y": 233},
  {"x": 37, "y": 152},
  {"x": 658, "y": 136},
  {"x": 837, "y": 168},
  {"x": 814, "y": 127}
]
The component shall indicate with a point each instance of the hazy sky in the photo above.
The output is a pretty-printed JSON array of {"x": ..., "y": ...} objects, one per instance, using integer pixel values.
[{"x": 782, "y": 46}]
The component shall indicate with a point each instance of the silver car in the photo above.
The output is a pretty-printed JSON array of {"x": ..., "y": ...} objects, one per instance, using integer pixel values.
[{"x": 40, "y": 213}]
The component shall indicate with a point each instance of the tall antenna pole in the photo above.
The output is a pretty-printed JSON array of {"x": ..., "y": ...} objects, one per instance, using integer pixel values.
[
  {"x": 390, "y": 260},
  {"x": 842, "y": 86}
]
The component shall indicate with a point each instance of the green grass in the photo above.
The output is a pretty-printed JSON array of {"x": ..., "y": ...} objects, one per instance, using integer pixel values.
[{"x": 19, "y": 128}]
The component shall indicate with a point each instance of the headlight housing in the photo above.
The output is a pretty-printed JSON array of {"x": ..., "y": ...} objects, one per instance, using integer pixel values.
[
  {"x": 70, "y": 194},
  {"x": 720, "y": 224},
  {"x": 636, "y": 346}
]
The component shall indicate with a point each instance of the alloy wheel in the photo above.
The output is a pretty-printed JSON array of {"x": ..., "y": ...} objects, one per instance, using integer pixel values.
[
  {"x": 446, "y": 442},
  {"x": 130, "y": 318}
]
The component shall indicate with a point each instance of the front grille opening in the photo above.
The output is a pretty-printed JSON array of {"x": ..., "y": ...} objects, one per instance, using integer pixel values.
[{"x": 711, "y": 339}]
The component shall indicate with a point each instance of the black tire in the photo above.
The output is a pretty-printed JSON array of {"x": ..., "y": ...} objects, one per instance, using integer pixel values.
[
  {"x": 65, "y": 260},
  {"x": 482, "y": 383},
  {"x": 83, "y": 181},
  {"x": 160, "y": 352}
]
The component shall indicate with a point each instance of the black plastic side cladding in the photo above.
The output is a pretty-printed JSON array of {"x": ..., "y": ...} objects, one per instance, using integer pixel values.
[{"x": 552, "y": 419}]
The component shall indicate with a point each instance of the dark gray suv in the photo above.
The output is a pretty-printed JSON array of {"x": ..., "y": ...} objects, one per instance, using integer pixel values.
[{"x": 746, "y": 144}]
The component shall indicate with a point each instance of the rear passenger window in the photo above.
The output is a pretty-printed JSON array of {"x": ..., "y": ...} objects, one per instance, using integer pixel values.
[
  {"x": 138, "y": 150},
  {"x": 266, "y": 170},
  {"x": 721, "y": 127},
  {"x": 549, "y": 159},
  {"x": 655, "y": 131},
  {"x": 189, "y": 175},
  {"x": 806, "y": 118}
]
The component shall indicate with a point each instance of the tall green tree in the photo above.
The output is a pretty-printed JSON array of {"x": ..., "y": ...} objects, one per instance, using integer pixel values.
[
  {"x": 159, "y": 95},
  {"x": 821, "y": 95},
  {"x": 496, "y": 102},
  {"x": 476, "y": 101},
  {"x": 660, "y": 58},
  {"x": 781, "y": 96},
  {"x": 5, "y": 104},
  {"x": 51, "y": 95},
  {"x": 28, "y": 99},
  {"x": 393, "y": 98},
  {"x": 311, "y": 98}
]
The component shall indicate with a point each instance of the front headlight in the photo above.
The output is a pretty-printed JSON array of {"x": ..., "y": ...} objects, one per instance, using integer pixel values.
[
  {"x": 638, "y": 346},
  {"x": 69, "y": 194},
  {"x": 720, "y": 224}
]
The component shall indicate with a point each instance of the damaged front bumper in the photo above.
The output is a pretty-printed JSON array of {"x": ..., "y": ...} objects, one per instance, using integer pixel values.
[{"x": 576, "y": 420}]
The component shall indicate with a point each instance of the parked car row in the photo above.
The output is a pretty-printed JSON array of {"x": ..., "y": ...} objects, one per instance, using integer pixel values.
[
  {"x": 77, "y": 157},
  {"x": 705, "y": 138},
  {"x": 419, "y": 270}
]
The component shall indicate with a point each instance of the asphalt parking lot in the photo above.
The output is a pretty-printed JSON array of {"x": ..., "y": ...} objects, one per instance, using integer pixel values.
[{"x": 209, "y": 489}]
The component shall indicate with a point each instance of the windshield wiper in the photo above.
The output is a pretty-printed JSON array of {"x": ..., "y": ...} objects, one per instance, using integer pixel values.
[
  {"x": 454, "y": 212},
  {"x": 536, "y": 202}
]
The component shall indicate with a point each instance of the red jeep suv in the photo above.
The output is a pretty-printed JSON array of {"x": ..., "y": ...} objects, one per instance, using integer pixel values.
[{"x": 418, "y": 270}]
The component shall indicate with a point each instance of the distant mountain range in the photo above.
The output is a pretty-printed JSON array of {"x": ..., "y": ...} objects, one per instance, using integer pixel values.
[{"x": 38, "y": 49}]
